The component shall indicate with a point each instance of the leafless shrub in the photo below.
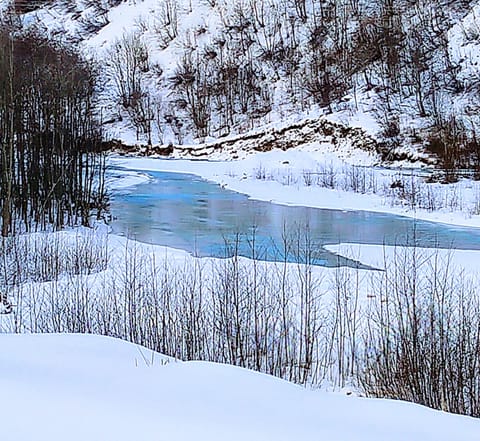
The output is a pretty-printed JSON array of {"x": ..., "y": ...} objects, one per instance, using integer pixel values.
[
  {"x": 191, "y": 84},
  {"x": 166, "y": 22},
  {"x": 423, "y": 335},
  {"x": 307, "y": 177},
  {"x": 127, "y": 60},
  {"x": 327, "y": 176},
  {"x": 260, "y": 173}
]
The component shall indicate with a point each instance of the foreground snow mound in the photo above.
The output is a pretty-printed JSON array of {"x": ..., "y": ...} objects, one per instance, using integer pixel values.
[{"x": 79, "y": 387}]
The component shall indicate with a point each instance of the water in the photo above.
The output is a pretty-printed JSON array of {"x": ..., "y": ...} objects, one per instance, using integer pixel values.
[{"x": 186, "y": 212}]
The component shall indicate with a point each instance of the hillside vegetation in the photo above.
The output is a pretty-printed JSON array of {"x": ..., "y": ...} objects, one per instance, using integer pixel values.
[{"x": 186, "y": 71}]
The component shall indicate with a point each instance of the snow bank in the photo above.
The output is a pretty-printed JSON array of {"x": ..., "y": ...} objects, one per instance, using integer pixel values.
[
  {"x": 380, "y": 256},
  {"x": 79, "y": 387}
]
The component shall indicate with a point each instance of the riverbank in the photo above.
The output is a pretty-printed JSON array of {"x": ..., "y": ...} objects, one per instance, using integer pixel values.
[{"x": 315, "y": 177}]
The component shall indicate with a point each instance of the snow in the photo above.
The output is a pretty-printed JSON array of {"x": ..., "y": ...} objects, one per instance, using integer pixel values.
[
  {"x": 283, "y": 181},
  {"x": 359, "y": 112},
  {"x": 464, "y": 47},
  {"x": 84, "y": 387},
  {"x": 125, "y": 179},
  {"x": 381, "y": 256}
]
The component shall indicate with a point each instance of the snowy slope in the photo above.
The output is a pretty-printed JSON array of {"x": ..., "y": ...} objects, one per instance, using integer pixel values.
[
  {"x": 204, "y": 32},
  {"x": 464, "y": 48},
  {"x": 58, "y": 387}
]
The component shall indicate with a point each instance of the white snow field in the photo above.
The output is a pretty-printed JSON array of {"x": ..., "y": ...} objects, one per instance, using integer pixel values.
[{"x": 73, "y": 387}]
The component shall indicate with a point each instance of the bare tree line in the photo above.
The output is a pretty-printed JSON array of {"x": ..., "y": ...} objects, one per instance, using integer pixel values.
[{"x": 409, "y": 332}]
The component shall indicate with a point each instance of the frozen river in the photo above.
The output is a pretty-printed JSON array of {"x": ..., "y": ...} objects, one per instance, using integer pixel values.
[{"x": 186, "y": 212}]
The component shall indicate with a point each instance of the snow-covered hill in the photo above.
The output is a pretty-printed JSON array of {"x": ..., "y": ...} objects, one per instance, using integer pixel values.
[
  {"x": 188, "y": 71},
  {"x": 80, "y": 387}
]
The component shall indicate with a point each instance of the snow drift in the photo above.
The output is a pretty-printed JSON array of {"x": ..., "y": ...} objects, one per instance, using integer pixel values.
[{"x": 81, "y": 387}]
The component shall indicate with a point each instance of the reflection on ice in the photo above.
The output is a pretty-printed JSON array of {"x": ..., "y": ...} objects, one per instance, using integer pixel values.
[{"x": 187, "y": 212}]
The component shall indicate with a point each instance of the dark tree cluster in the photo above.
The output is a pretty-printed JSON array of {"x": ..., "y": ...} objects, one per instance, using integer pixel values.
[{"x": 50, "y": 169}]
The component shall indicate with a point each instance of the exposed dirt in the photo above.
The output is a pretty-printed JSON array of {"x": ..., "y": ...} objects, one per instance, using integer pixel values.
[{"x": 285, "y": 138}]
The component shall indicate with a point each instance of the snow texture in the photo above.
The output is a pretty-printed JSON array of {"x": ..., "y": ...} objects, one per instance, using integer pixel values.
[{"x": 80, "y": 387}]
